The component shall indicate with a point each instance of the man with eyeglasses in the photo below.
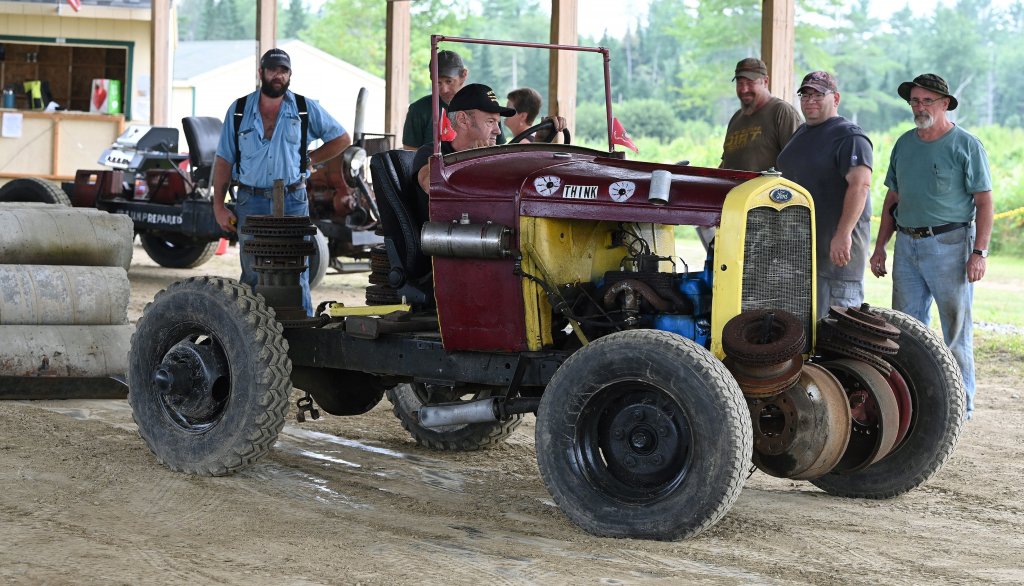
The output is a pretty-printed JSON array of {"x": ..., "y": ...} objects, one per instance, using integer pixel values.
[
  {"x": 831, "y": 157},
  {"x": 763, "y": 124},
  {"x": 940, "y": 203}
]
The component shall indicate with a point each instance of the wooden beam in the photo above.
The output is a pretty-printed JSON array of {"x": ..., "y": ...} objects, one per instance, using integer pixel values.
[
  {"x": 266, "y": 29},
  {"x": 777, "y": 45},
  {"x": 396, "y": 92},
  {"x": 563, "y": 64},
  {"x": 161, "y": 54}
]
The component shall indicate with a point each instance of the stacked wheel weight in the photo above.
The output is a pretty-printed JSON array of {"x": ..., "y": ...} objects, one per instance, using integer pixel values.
[
  {"x": 763, "y": 351},
  {"x": 379, "y": 292},
  {"x": 280, "y": 248}
]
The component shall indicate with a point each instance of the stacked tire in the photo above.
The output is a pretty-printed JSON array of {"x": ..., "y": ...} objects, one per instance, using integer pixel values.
[{"x": 63, "y": 301}]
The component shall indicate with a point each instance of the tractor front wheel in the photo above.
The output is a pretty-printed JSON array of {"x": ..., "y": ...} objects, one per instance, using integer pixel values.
[{"x": 643, "y": 434}]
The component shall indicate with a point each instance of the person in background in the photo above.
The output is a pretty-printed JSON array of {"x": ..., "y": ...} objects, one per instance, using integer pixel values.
[
  {"x": 940, "y": 205},
  {"x": 831, "y": 157},
  {"x": 267, "y": 148},
  {"x": 762, "y": 126},
  {"x": 419, "y": 123},
  {"x": 526, "y": 102}
]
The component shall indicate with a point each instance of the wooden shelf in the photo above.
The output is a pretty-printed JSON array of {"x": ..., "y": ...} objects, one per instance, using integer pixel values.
[{"x": 68, "y": 69}]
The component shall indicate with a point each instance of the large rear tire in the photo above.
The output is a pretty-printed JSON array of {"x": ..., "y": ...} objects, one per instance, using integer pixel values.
[
  {"x": 937, "y": 395},
  {"x": 32, "y": 189},
  {"x": 643, "y": 434},
  {"x": 208, "y": 376},
  {"x": 406, "y": 400},
  {"x": 175, "y": 251}
]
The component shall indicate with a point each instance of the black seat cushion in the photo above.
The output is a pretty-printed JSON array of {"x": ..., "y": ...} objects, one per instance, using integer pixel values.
[
  {"x": 202, "y": 133},
  {"x": 400, "y": 217}
]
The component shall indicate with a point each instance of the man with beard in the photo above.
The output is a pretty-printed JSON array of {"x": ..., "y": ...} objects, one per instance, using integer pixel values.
[
  {"x": 940, "y": 203},
  {"x": 831, "y": 157},
  {"x": 260, "y": 142},
  {"x": 763, "y": 124}
]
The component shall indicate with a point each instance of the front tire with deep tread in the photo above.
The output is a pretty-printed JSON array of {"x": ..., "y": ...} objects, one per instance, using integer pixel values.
[
  {"x": 643, "y": 433},
  {"x": 241, "y": 406},
  {"x": 939, "y": 403},
  {"x": 406, "y": 400},
  {"x": 31, "y": 189}
]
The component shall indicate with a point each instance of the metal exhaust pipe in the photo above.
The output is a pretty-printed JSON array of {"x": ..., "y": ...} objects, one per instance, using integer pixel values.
[{"x": 478, "y": 411}]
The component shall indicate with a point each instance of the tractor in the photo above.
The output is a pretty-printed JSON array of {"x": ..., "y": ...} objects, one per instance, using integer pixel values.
[{"x": 543, "y": 279}]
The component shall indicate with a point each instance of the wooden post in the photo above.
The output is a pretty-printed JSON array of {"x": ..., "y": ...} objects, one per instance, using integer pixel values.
[
  {"x": 562, "y": 72},
  {"x": 161, "y": 54},
  {"x": 266, "y": 29},
  {"x": 777, "y": 46},
  {"x": 396, "y": 92}
]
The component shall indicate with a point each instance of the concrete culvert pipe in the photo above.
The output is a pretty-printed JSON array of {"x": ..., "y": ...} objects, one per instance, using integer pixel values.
[
  {"x": 64, "y": 236},
  {"x": 65, "y": 351},
  {"x": 63, "y": 295}
]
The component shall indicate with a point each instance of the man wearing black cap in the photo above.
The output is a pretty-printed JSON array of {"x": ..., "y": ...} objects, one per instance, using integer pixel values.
[
  {"x": 475, "y": 115},
  {"x": 831, "y": 157},
  {"x": 763, "y": 124},
  {"x": 260, "y": 142},
  {"x": 939, "y": 177}
]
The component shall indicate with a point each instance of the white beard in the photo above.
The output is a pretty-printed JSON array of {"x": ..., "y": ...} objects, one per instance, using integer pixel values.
[{"x": 924, "y": 121}]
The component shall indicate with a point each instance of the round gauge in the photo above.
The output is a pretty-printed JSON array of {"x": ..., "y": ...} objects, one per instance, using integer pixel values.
[
  {"x": 621, "y": 190},
  {"x": 547, "y": 184}
]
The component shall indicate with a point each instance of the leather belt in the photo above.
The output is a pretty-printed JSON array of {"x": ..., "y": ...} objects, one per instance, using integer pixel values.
[
  {"x": 929, "y": 231},
  {"x": 269, "y": 191}
]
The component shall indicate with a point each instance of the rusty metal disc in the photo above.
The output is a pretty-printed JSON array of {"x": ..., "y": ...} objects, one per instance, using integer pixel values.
[
  {"x": 865, "y": 320},
  {"x": 843, "y": 331},
  {"x": 759, "y": 381},
  {"x": 762, "y": 336},
  {"x": 874, "y": 411},
  {"x": 832, "y": 348},
  {"x": 903, "y": 401},
  {"x": 802, "y": 432}
]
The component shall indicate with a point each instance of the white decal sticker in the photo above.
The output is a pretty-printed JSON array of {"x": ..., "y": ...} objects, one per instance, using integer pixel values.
[
  {"x": 621, "y": 190},
  {"x": 547, "y": 185},
  {"x": 580, "y": 192}
]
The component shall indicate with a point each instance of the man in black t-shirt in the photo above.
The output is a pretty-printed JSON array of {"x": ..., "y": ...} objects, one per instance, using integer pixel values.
[{"x": 831, "y": 158}]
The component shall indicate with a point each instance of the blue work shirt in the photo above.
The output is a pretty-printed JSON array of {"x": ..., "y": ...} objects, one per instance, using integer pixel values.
[{"x": 264, "y": 160}]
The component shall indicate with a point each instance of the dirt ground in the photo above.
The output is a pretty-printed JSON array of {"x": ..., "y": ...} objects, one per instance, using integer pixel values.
[{"x": 353, "y": 500}]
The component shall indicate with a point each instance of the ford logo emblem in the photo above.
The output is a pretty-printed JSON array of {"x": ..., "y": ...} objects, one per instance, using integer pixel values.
[{"x": 780, "y": 195}]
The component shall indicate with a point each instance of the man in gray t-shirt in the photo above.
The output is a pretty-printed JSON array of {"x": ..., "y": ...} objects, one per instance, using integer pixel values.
[{"x": 831, "y": 158}]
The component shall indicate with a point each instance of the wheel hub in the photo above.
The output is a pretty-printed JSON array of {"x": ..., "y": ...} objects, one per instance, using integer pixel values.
[
  {"x": 193, "y": 382},
  {"x": 643, "y": 444}
]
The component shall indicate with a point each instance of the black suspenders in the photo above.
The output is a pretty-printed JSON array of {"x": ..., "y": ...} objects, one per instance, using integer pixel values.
[{"x": 300, "y": 101}]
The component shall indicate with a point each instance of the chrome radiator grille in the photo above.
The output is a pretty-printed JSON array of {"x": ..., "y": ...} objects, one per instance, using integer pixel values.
[{"x": 777, "y": 262}]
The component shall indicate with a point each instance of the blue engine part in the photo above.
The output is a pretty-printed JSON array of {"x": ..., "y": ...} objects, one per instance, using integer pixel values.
[
  {"x": 697, "y": 329},
  {"x": 696, "y": 286}
]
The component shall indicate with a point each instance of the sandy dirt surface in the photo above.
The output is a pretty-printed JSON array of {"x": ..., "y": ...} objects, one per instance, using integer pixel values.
[{"x": 354, "y": 500}]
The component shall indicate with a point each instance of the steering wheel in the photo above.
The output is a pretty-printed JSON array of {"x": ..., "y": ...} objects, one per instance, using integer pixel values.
[{"x": 548, "y": 125}]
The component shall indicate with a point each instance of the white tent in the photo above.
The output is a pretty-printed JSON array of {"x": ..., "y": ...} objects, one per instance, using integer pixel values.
[{"x": 210, "y": 75}]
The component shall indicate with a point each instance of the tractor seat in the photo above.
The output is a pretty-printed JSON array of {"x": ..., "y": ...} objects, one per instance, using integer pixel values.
[
  {"x": 401, "y": 220},
  {"x": 202, "y": 133}
]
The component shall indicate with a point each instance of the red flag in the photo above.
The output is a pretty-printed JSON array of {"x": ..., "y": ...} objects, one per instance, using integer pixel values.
[
  {"x": 76, "y": 4},
  {"x": 621, "y": 137},
  {"x": 448, "y": 133}
]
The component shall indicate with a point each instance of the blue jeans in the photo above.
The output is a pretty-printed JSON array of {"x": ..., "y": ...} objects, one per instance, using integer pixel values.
[
  {"x": 247, "y": 204},
  {"x": 924, "y": 269},
  {"x": 838, "y": 292}
]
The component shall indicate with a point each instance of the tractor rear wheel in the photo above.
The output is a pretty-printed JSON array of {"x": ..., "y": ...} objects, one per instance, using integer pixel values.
[
  {"x": 939, "y": 401},
  {"x": 175, "y": 251},
  {"x": 32, "y": 189},
  {"x": 643, "y": 433},
  {"x": 406, "y": 400},
  {"x": 208, "y": 376}
]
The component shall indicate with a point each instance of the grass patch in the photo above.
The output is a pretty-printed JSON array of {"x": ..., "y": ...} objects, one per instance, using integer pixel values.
[{"x": 1002, "y": 354}]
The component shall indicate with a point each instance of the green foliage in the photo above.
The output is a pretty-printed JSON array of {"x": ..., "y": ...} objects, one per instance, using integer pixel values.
[
  {"x": 293, "y": 19},
  {"x": 206, "y": 20}
]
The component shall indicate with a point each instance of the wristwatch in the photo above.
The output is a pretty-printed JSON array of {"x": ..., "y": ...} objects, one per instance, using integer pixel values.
[{"x": 982, "y": 252}]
